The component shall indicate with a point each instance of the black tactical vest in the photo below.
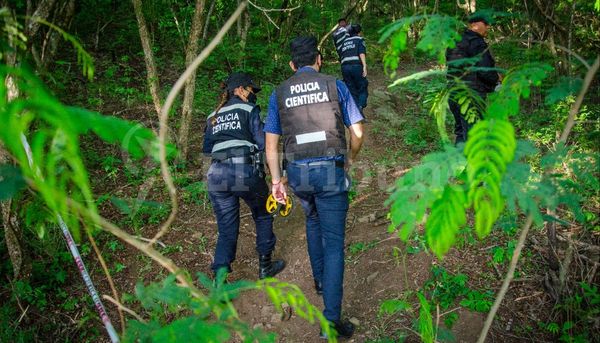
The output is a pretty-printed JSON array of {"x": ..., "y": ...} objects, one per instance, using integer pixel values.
[
  {"x": 311, "y": 119},
  {"x": 349, "y": 50},
  {"x": 338, "y": 39},
  {"x": 230, "y": 131}
]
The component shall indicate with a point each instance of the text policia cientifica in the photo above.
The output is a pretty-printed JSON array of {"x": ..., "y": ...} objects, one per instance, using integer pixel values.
[{"x": 306, "y": 99}]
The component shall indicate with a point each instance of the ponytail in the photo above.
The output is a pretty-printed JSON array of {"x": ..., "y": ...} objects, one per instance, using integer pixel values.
[{"x": 223, "y": 98}]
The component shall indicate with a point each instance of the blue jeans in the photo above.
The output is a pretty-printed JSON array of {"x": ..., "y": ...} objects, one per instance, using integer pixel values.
[
  {"x": 227, "y": 183},
  {"x": 357, "y": 84},
  {"x": 323, "y": 193}
]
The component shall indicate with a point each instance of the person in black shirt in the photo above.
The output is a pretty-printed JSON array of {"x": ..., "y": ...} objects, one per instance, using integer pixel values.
[{"x": 482, "y": 82}]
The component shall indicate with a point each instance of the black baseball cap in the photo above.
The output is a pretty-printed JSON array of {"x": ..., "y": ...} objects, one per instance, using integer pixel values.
[
  {"x": 238, "y": 79},
  {"x": 303, "y": 45}
]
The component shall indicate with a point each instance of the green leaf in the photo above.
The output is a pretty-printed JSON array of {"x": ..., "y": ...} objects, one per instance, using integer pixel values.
[
  {"x": 425, "y": 320},
  {"x": 490, "y": 147},
  {"x": 132, "y": 137},
  {"x": 563, "y": 88},
  {"x": 516, "y": 84},
  {"x": 416, "y": 76},
  {"x": 191, "y": 329},
  {"x": 446, "y": 219},
  {"x": 416, "y": 191},
  {"x": 439, "y": 33},
  {"x": 11, "y": 181},
  {"x": 392, "y": 306}
]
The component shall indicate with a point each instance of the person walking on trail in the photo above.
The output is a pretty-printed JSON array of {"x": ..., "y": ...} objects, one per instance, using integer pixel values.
[
  {"x": 354, "y": 65},
  {"x": 482, "y": 81},
  {"x": 311, "y": 111},
  {"x": 339, "y": 35},
  {"x": 235, "y": 140}
]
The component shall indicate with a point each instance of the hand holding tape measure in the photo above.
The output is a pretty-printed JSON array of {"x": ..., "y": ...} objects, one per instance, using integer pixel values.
[
  {"x": 274, "y": 206},
  {"x": 278, "y": 200}
]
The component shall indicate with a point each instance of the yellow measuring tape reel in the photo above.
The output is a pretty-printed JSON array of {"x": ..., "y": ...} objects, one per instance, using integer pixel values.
[{"x": 273, "y": 206}]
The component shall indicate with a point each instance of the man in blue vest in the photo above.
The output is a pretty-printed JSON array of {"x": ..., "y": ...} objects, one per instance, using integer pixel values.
[
  {"x": 354, "y": 65},
  {"x": 311, "y": 112},
  {"x": 234, "y": 138}
]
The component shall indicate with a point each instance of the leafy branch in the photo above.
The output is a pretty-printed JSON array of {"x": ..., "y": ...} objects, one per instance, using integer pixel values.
[{"x": 521, "y": 242}]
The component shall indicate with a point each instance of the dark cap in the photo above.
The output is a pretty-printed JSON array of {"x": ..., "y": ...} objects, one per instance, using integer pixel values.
[
  {"x": 354, "y": 29},
  {"x": 303, "y": 45},
  {"x": 482, "y": 16},
  {"x": 238, "y": 79}
]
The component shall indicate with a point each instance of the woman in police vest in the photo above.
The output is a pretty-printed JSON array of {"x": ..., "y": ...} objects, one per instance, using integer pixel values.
[{"x": 234, "y": 138}]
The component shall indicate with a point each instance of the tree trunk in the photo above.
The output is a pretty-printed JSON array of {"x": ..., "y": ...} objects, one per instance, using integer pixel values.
[
  {"x": 190, "y": 85},
  {"x": 468, "y": 6},
  {"x": 42, "y": 11},
  {"x": 152, "y": 76},
  {"x": 63, "y": 17},
  {"x": 12, "y": 232},
  {"x": 245, "y": 29},
  {"x": 207, "y": 20},
  {"x": 239, "y": 22}
]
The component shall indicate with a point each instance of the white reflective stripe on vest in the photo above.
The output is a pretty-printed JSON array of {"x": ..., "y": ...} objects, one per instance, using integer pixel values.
[
  {"x": 244, "y": 107},
  {"x": 233, "y": 143},
  {"x": 311, "y": 137},
  {"x": 348, "y": 59}
]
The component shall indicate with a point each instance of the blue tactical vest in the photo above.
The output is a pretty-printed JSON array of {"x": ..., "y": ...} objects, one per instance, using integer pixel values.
[
  {"x": 349, "y": 50},
  {"x": 310, "y": 115},
  {"x": 230, "y": 131}
]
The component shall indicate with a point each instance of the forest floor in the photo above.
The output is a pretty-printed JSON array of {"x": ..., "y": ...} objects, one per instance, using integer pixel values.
[{"x": 379, "y": 265}]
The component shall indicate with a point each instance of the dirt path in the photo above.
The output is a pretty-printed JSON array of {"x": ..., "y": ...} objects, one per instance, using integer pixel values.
[{"x": 372, "y": 273}]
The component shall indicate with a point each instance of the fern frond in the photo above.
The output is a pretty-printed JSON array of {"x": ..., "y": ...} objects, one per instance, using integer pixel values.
[
  {"x": 446, "y": 218},
  {"x": 418, "y": 189},
  {"x": 490, "y": 147}
]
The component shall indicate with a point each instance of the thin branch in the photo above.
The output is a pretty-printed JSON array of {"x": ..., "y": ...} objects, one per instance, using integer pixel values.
[
  {"x": 577, "y": 105},
  {"x": 164, "y": 117},
  {"x": 517, "y": 252},
  {"x": 549, "y": 17},
  {"x": 509, "y": 276},
  {"x": 265, "y": 10},
  {"x": 273, "y": 9},
  {"x": 164, "y": 261},
  {"x": 567, "y": 50},
  {"x": 124, "y": 308},
  {"x": 108, "y": 276}
]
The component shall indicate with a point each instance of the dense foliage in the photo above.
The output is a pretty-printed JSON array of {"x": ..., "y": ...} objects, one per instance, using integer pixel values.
[{"x": 65, "y": 63}]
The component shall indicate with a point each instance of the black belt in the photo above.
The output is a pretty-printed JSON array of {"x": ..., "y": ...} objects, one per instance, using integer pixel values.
[
  {"x": 338, "y": 164},
  {"x": 235, "y": 160}
]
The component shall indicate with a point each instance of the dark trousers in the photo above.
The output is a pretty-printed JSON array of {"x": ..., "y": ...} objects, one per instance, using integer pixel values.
[
  {"x": 357, "y": 84},
  {"x": 227, "y": 183},
  {"x": 323, "y": 193},
  {"x": 461, "y": 125}
]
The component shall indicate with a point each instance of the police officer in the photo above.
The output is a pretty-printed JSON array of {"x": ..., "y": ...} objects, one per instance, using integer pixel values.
[
  {"x": 340, "y": 34},
  {"x": 354, "y": 65},
  {"x": 234, "y": 138},
  {"x": 311, "y": 111},
  {"x": 472, "y": 44}
]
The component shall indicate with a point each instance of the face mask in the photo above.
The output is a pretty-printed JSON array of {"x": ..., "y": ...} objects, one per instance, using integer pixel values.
[{"x": 251, "y": 98}]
